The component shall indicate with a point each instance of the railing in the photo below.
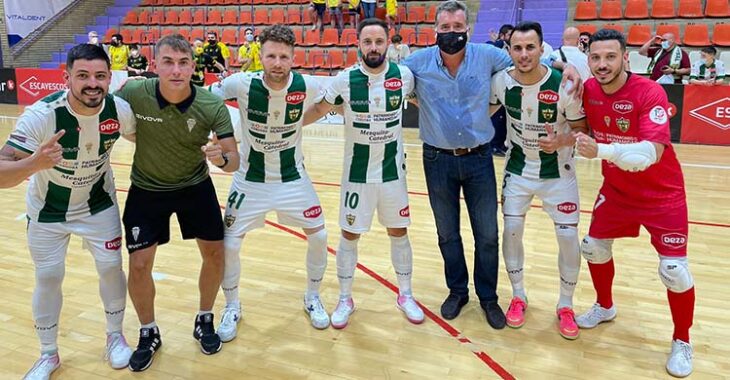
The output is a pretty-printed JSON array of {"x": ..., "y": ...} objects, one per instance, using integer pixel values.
[{"x": 23, "y": 44}]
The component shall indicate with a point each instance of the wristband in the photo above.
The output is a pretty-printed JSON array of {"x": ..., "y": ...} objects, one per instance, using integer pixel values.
[{"x": 225, "y": 162}]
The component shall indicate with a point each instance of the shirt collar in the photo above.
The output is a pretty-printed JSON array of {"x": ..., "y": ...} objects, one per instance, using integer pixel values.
[
  {"x": 182, "y": 106},
  {"x": 440, "y": 60}
]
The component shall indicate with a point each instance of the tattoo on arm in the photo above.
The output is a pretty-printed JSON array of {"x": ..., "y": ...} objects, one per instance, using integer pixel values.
[{"x": 8, "y": 153}]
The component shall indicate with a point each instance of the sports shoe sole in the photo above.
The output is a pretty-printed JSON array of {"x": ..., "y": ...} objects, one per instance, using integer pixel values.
[
  {"x": 414, "y": 321},
  {"x": 316, "y": 327},
  {"x": 145, "y": 367},
  {"x": 515, "y": 325},
  {"x": 217, "y": 350},
  {"x": 340, "y": 327},
  {"x": 591, "y": 327}
]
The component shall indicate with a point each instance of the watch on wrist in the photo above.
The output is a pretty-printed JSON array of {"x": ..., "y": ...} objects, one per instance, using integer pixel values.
[{"x": 225, "y": 161}]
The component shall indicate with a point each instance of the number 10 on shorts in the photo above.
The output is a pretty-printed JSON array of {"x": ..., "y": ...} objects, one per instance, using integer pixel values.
[{"x": 351, "y": 200}]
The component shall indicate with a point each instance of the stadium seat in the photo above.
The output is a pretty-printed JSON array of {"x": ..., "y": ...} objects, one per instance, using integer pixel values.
[
  {"x": 415, "y": 14},
  {"x": 351, "y": 57},
  {"x": 229, "y": 37},
  {"x": 197, "y": 34},
  {"x": 130, "y": 18},
  {"x": 143, "y": 18},
  {"x": 721, "y": 35},
  {"x": 185, "y": 32},
  {"x": 690, "y": 9},
  {"x": 150, "y": 36},
  {"x": 177, "y": 2},
  {"x": 402, "y": 16},
  {"x": 348, "y": 37},
  {"x": 311, "y": 38},
  {"x": 108, "y": 34},
  {"x": 185, "y": 18},
  {"x": 198, "y": 17},
  {"x": 298, "y": 36},
  {"x": 231, "y": 2},
  {"x": 329, "y": 37},
  {"x": 717, "y": 8},
  {"x": 638, "y": 62},
  {"x": 201, "y": 2},
  {"x": 336, "y": 59},
  {"x": 261, "y": 16},
  {"x": 215, "y": 17},
  {"x": 277, "y": 16},
  {"x": 696, "y": 35},
  {"x": 167, "y": 32},
  {"x": 638, "y": 34},
  {"x": 188, "y": 2},
  {"x": 306, "y": 17},
  {"x": 426, "y": 36},
  {"x": 315, "y": 59},
  {"x": 127, "y": 36},
  {"x": 245, "y": 19},
  {"x": 299, "y": 58},
  {"x": 636, "y": 9},
  {"x": 409, "y": 36},
  {"x": 663, "y": 9},
  {"x": 613, "y": 26},
  {"x": 157, "y": 18},
  {"x": 230, "y": 17},
  {"x": 147, "y": 52},
  {"x": 431, "y": 14},
  {"x": 137, "y": 36},
  {"x": 661, "y": 29},
  {"x": 293, "y": 16},
  {"x": 586, "y": 10},
  {"x": 148, "y": 3},
  {"x": 610, "y": 10},
  {"x": 380, "y": 13},
  {"x": 172, "y": 17},
  {"x": 216, "y": 2},
  {"x": 590, "y": 28}
]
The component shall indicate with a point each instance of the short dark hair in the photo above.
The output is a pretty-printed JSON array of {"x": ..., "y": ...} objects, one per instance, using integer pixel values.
[
  {"x": 278, "y": 33},
  {"x": 585, "y": 34},
  {"x": 709, "y": 50},
  {"x": 118, "y": 37},
  {"x": 608, "y": 35},
  {"x": 176, "y": 42},
  {"x": 133, "y": 47},
  {"x": 370, "y": 22},
  {"x": 248, "y": 29},
  {"x": 504, "y": 29},
  {"x": 87, "y": 52},
  {"x": 526, "y": 26},
  {"x": 396, "y": 39},
  {"x": 213, "y": 32}
]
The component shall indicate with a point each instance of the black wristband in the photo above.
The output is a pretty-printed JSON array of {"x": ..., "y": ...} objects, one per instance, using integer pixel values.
[{"x": 225, "y": 161}]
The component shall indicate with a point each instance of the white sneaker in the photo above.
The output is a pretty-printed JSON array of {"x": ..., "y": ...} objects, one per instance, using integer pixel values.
[
  {"x": 228, "y": 328},
  {"x": 117, "y": 351},
  {"x": 410, "y": 308},
  {"x": 341, "y": 314},
  {"x": 43, "y": 367},
  {"x": 597, "y": 314},
  {"x": 679, "y": 363},
  {"x": 317, "y": 314}
]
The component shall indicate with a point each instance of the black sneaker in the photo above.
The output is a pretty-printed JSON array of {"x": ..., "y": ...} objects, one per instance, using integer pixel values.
[
  {"x": 149, "y": 343},
  {"x": 204, "y": 332}
]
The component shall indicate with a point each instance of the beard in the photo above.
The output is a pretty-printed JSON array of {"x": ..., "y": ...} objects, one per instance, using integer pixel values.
[
  {"x": 90, "y": 100},
  {"x": 371, "y": 61}
]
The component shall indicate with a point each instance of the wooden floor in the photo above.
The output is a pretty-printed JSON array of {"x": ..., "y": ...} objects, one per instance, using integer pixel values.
[{"x": 275, "y": 340}]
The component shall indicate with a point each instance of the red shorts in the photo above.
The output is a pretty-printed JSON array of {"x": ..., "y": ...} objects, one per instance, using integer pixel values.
[{"x": 668, "y": 226}]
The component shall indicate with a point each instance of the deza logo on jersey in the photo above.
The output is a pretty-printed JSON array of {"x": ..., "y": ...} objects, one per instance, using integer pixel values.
[
  {"x": 623, "y": 106},
  {"x": 393, "y": 84},
  {"x": 674, "y": 240},
  {"x": 109, "y": 127},
  {"x": 296, "y": 97},
  {"x": 548, "y": 97}
]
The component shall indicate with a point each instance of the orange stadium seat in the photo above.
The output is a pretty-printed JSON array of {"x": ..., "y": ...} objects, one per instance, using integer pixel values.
[
  {"x": 277, "y": 16},
  {"x": 663, "y": 9},
  {"x": 409, "y": 36},
  {"x": 215, "y": 17},
  {"x": 167, "y": 32},
  {"x": 143, "y": 18},
  {"x": 350, "y": 57},
  {"x": 197, "y": 34},
  {"x": 696, "y": 35},
  {"x": 127, "y": 36},
  {"x": 721, "y": 35},
  {"x": 426, "y": 36},
  {"x": 348, "y": 37},
  {"x": 231, "y": 2},
  {"x": 638, "y": 34},
  {"x": 230, "y": 17},
  {"x": 229, "y": 36},
  {"x": 717, "y": 8},
  {"x": 293, "y": 16},
  {"x": 431, "y": 14},
  {"x": 299, "y": 58},
  {"x": 636, "y": 9},
  {"x": 315, "y": 59},
  {"x": 148, "y": 3},
  {"x": 172, "y": 17},
  {"x": 586, "y": 10},
  {"x": 610, "y": 10},
  {"x": 590, "y": 28},
  {"x": 185, "y": 32},
  {"x": 261, "y": 16},
  {"x": 416, "y": 14},
  {"x": 245, "y": 18},
  {"x": 306, "y": 17},
  {"x": 138, "y": 36},
  {"x": 380, "y": 13},
  {"x": 298, "y": 36},
  {"x": 157, "y": 18},
  {"x": 311, "y": 38},
  {"x": 216, "y": 2},
  {"x": 690, "y": 9},
  {"x": 336, "y": 60},
  {"x": 613, "y": 26},
  {"x": 130, "y": 18},
  {"x": 188, "y": 2},
  {"x": 201, "y": 2},
  {"x": 330, "y": 37},
  {"x": 185, "y": 17},
  {"x": 150, "y": 36},
  {"x": 199, "y": 17},
  {"x": 402, "y": 16},
  {"x": 177, "y": 2},
  {"x": 661, "y": 29},
  {"x": 147, "y": 52}
]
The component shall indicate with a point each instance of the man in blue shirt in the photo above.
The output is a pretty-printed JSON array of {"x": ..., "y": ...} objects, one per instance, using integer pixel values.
[{"x": 452, "y": 88}]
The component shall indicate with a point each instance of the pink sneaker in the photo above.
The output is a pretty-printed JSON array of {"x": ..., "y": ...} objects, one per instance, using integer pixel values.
[
  {"x": 516, "y": 313},
  {"x": 566, "y": 323}
]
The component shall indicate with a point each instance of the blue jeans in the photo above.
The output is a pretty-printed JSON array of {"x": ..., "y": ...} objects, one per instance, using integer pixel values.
[
  {"x": 368, "y": 9},
  {"x": 446, "y": 176}
]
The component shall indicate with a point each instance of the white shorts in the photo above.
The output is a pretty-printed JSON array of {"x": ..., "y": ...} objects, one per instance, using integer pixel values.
[
  {"x": 559, "y": 197},
  {"x": 358, "y": 202},
  {"x": 101, "y": 234},
  {"x": 296, "y": 204}
]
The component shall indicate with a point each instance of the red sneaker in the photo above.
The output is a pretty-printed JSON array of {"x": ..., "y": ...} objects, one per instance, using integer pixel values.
[{"x": 566, "y": 323}]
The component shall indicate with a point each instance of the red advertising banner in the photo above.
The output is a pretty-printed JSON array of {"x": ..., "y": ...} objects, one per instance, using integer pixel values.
[
  {"x": 706, "y": 115},
  {"x": 35, "y": 84}
]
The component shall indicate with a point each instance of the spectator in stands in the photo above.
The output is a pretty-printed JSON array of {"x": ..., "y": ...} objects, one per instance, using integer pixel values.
[
  {"x": 94, "y": 38},
  {"x": 397, "y": 50},
  {"x": 571, "y": 53},
  {"x": 667, "y": 59},
  {"x": 368, "y": 8},
  {"x": 118, "y": 53},
  {"x": 248, "y": 53},
  {"x": 318, "y": 14},
  {"x": 137, "y": 63},
  {"x": 708, "y": 71},
  {"x": 218, "y": 51},
  {"x": 391, "y": 14},
  {"x": 203, "y": 62},
  {"x": 354, "y": 12},
  {"x": 335, "y": 7},
  {"x": 501, "y": 40},
  {"x": 583, "y": 39}
]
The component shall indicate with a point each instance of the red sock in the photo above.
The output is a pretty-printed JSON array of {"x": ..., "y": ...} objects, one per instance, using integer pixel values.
[
  {"x": 682, "y": 306},
  {"x": 602, "y": 276}
]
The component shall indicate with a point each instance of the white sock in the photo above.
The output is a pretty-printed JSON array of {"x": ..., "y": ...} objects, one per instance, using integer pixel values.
[
  {"x": 203, "y": 312},
  {"x": 568, "y": 262},
  {"x": 232, "y": 270},
  {"x": 113, "y": 290},
  {"x": 149, "y": 325},
  {"x": 316, "y": 261},
  {"x": 47, "y": 301},
  {"x": 401, "y": 256},
  {"x": 346, "y": 263},
  {"x": 514, "y": 253}
]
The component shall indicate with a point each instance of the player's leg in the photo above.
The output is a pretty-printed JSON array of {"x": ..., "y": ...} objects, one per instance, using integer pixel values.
[
  {"x": 517, "y": 193},
  {"x": 47, "y": 243},
  {"x": 669, "y": 236}
]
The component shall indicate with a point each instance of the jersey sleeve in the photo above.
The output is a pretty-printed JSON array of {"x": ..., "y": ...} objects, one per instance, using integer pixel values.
[
  {"x": 653, "y": 117},
  {"x": 130, "y": 88},
  {"x": 231, "y": 87},
  {"x": 222, "y": 125},
  {"x": 572, "y": 107},
  {"x": 499, "y": 58},
  {"x": 497, "y": 91},
  {"x": 126, "y": 117},
  {"x": 30, "y": 131},
  {"x": 332, "y": 94},
  {"x": 409, "y": 83},
  {"x": 315, "y": 87},
  {"x": 225, "y": 52}
]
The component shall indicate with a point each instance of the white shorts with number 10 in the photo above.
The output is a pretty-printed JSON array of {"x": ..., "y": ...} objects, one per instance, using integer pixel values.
[
  {"x": 559, "y": 197},
  {"x": 358, "y": 202}
]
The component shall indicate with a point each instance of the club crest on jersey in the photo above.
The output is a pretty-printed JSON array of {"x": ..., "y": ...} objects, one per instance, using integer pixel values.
[
  {"x": 350, "y": 219},
  {"x": 294, "y": 114},
  {"x": 229, "y": 220},
  {"x": 548, "y": 114},
  {"x": 277, "y": 114},
  {"x": 88, "y": 147},
  {"x": 623, "y": 124},
  {"x": 295, "y": 97},
  {"x": 394, "y": 101},
  {"x": 377, "y": 100},
  {"x": 108, "y": 144},
  {"x": 623, "y": 106},
  {"x": 135, "y": 233},
  {"x": 529, "y": 111},
  {"x": 393, "y": 84},
  {"x": 191, "y": 124},
  {"x": 548, "y": 97},
  {"x": 607, "y": 120},
  {"x": 109, "y": 127}
]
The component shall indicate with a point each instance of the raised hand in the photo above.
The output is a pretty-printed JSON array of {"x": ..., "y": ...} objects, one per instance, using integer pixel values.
[
  {"x": 586, "y": 145},
  {"x": 213, "y": 152},
  {"x": 49, "y": 153},
  {"x": 549, "y": 143}
]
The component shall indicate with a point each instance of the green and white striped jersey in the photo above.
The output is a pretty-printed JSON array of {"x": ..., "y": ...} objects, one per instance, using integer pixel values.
[
  {"x": 271, "y": 124},
  {"x": 529, "y": 110},
  {"x": 373, "y": 112},
  {"x": 82, "y": 184}
]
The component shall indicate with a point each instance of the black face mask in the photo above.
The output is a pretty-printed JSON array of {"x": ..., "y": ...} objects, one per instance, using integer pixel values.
[
  {"x": 212, "y": 42},
  {"x": 451, "y": 42}
]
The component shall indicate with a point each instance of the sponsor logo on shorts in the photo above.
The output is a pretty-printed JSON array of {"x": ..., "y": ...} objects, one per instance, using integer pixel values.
[
  {"x": 113, "y": 245},
  {"x": 393, "y": 84},
  {"x": 405, "y": 212},
  {"x": 313, "y": 212},
  {"x": 135, "y": 233},
  {"x": 623, "y": 106},
  {"x": 229, "y": 220},
  {"x": 548, "y": 97},
  {"x": 567, "y": 207},
  {"x": 109, "y": 127},
  {"x": 296, "y": 97},
  {"x": 674, "y": 240}
]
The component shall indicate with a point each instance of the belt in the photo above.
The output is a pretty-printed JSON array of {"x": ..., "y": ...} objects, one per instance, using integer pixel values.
[{"x": 460, "y": 151}]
